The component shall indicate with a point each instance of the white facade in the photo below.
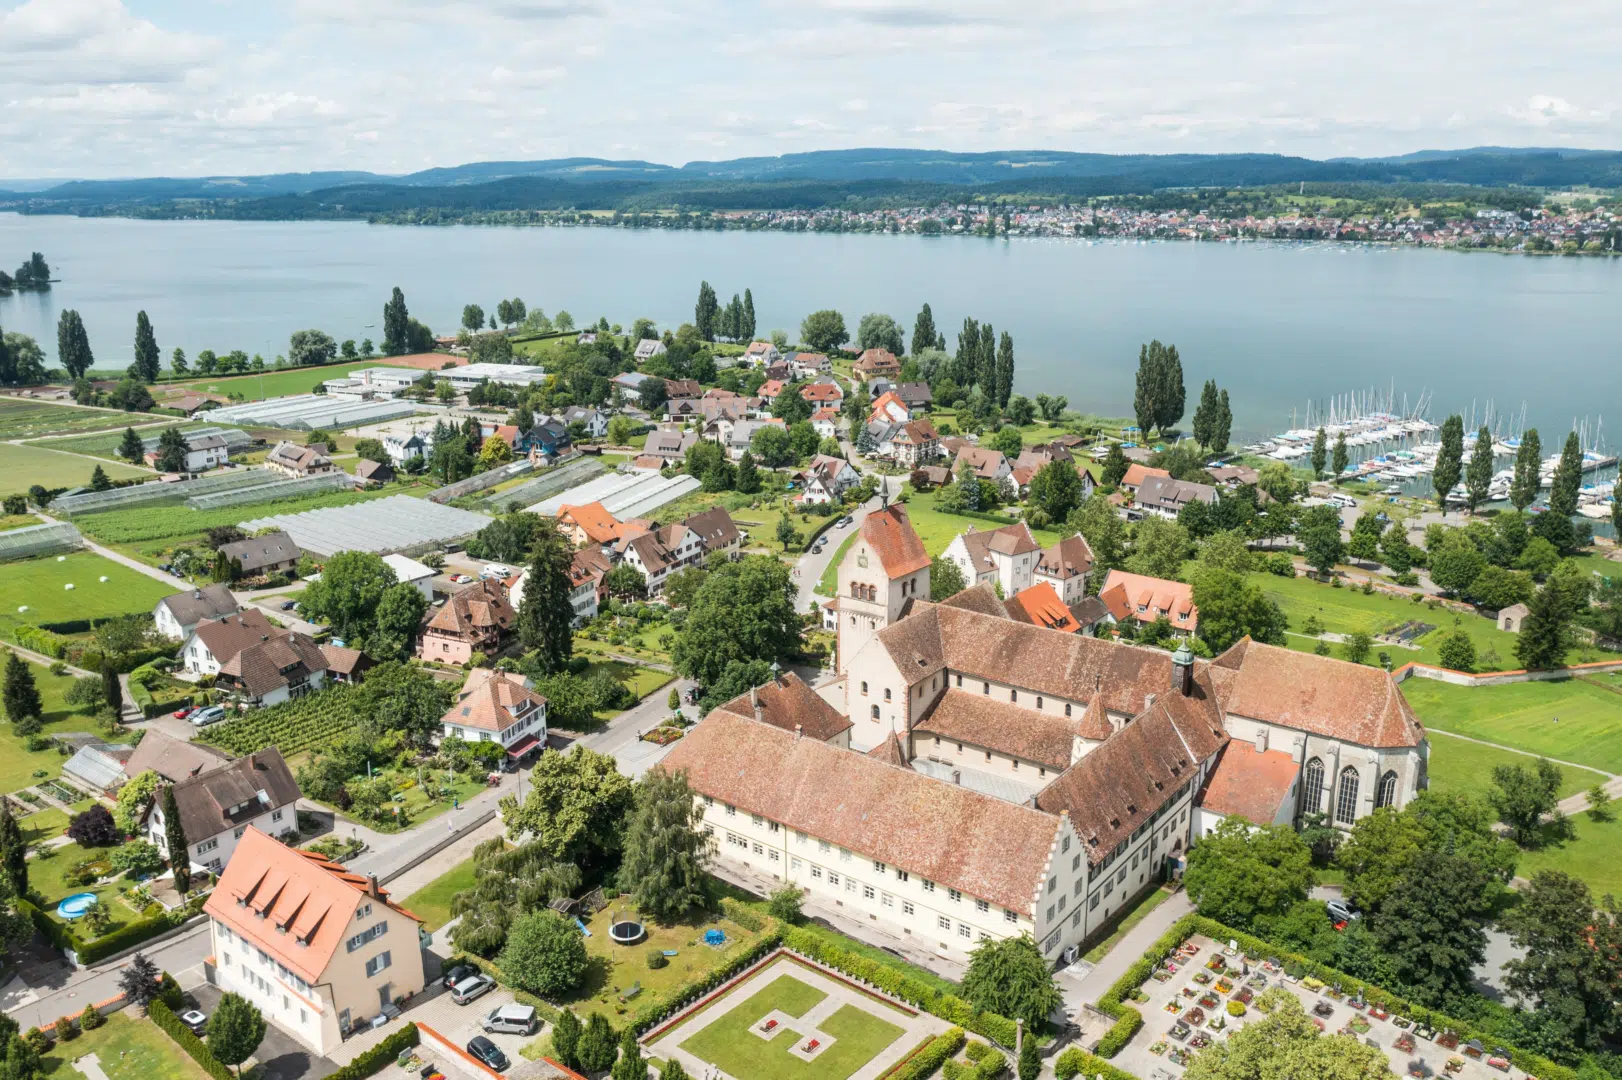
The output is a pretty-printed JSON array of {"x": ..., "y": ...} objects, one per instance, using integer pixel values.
[
  {"x": 412, "y": 572},
  {"x": 468, "y": 376},
  {"x": 869, "y": 600},
  {"x": 1012, "y": 573},
  {"x": 209, "y": 854}
]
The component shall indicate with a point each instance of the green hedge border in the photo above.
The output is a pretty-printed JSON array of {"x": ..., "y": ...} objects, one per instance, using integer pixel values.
[
  {"x": 926, "y": 1057},
  {"x": 368, "y": 1062},
  {"x": 125, "y": 937},
  {"x": 1128, "y": 1019},
  {"x": 188, "y": 1041}
]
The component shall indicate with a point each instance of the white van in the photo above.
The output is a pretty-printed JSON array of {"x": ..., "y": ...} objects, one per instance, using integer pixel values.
[{"x": 511, "y": 1020}]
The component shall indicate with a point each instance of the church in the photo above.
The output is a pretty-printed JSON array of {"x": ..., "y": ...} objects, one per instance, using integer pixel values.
[{"x": 969, "y": 775}]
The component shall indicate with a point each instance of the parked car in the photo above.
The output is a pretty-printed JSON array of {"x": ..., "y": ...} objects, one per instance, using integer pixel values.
[
  {"x": 1341, "y": 912},
  {"x": 183, "y": 712},
  {"x": 194, "y": 1019},
  {"x": 511, "y": 1020},
  {"x": 472, "y": 987},
  {"x": 204, "y": 717},
  {"x": 843, "y": 522},
  {"x": 487, "y": 1052},
  {"x": 460, "y": 579},
  {"x": 289, "y": 605},
  {"x": 457, "y": 973}
]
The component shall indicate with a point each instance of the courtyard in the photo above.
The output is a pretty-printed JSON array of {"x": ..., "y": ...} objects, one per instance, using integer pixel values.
[
  {"x": 789, "y": 1019},
  {"x": 1204, "y": 990}
]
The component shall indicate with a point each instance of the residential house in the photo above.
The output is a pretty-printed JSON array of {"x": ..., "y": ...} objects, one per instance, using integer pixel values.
[
  {"x": 632, "y": 381},
  {"x": 498, "y": 706},
  {"x": 826, "y": 423},
  {"x": 823, "y": 395},
  {"x": 203, "y": 452},
  {"x": 1066, "y": 566},
  {"x": 178, "y": 614},
  {"x": 214, "y": 641},
  {"x": 586, "y": 337},
  {"x": 743, "y": 432},
  {"x": 374, "y": 472},
  {"x": 826, "y": 479},
  {"x": 1165, "y": 496},
  {"x": 412, "y": 444},
  {"x": 716, "y": 529},
  {"x": 875, "y": 364},
  {"x": 926, "y": 477},
  {"x": 808, "y": 365},
  {"x": 914, "y": 444},
  {"x": 719, "y": 428},
  {"x": 987, "y": 463},
  {"x": 412, "y": 572},
  {"x": 890, "y": 407},
  {"x": 219, "y": 806},
  {"x": 770, "y": 389},
  {"x": 587, "y": 592},
  {"x": 1146, "y": 599},
  {"x": 680, "y": 410},
  {"x": 476, "y": 618},
  {"x": 588, "y": 524},
  {"x": 661, "y": 552},
  {"x": 346, "y": 665},
  {"x": 668, "y": 444},
  {"x": 1006, "y": 557},
  {"x": 1232, "y": 476},
  {"x": 683, "y": 388},
  {"x": 761, "y": 353},
  {"x": 647, "y": 349},
  {"x": 283, "y": 666},
  {"x": 595, "y": 421},
  {"x": 779, "y": 371},
  {"x": 171, "y": 758},
  {"x": 271, "y": 553},
  {"x": 294, "y": 461},
  {"x": 1040, "y": 605},
  {"x": 317, "y": 948},
  {"x": 915, "y": 395},
  {"x": 1136, "y": 474}
]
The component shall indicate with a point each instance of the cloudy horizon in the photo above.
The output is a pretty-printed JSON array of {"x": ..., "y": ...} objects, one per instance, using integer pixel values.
[{"x": 126, "y": 88}]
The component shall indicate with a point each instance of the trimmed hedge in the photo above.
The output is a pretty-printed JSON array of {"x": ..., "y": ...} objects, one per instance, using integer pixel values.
[
  {"x": 164, "y": 1017},
  {"x": 1076, "y": 1061},
  {"x": 368, "y": 1062},
  {"x": 130, "y": 934},
  {"x": 678, "y": 998},
  {"x": 41, "y": 641},
  {"x": 928, "y": 1056},
  {"x": 986, "y": 1066}
]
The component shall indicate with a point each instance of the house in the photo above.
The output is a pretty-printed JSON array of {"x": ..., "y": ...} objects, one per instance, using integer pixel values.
[
  {"x": 770, "y": 389},
  {"x": 283, "y": 666},
  {"x": 719, "y": 533},
  {"x": 823, "y": 394},
  {"x": 1232, "y": 476},
  {"x": 876, "y": 363},
  {"x": 218, "y": 806},
  {"x": 589, "y": 523},
  {"x": 202, "y": 453},
  {"x": 413, "y": 444},
  {"x": 987, "y": 463},
  {"x": 683, "y": 388},
  {"x": 476, "y": 618},
  {"x": 807, "y": 365},
  {"x": 647, "y": 349},
  {"x": 1136, "y": 474},
  {"x": 1066, "y": 566},
  {"x": 658, "y": 553},
  {"x": 761, "y": 353},
  {"x": 98, "y": 767},
  {"x": 317, "y": 948},
  {"x": 1146, "y": 599},
  {"x": 1005, "y": 557},
  {"x": 926, "y": 477},
  {"x": 826, "y": 423},
  {"x": 595, "y": 421},
  {"x": 178, "y": 614},
  {"x": 888, "y": 406},
  {"x": 346, "y": 665},
  {"x": 294, "y": 461},
  {"x": 719, "y": 429},
  {"x": 1091, "y": 613},
  {"x": 587, "y": 592},
  {"x": 498, "y": 706},
  {"x": 1040, "y": 605},
  {"x": 1512, "y": 618},
  {"x": 467, "y": 376},
  {"x": 668, "y": 445},
  {"x": 187, "y": 404},
  {"x": 779, "y": 371},
  {"x": 915, "y": 443},
  {"x": 915, "y": 395},
  {"x": 586, "y": 337},
  {"x": 272, "y": 553},
  {"x": 411, "y": 572},
  {"x": 743, "y": 433},
  {"x": 826, "y": 480},
  {"x": 788, "y": 704},
  {"x": 214, "y": 641},
  {"x": 632, "y": 381},
  {"x": 374, "y": 472},
  {"x": 171, "y": 758},
  {"x": 1165, "y": 496}
]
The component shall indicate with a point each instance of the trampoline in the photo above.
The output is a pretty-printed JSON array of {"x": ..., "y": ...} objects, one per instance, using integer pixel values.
[
  {"x": 72, "y": 907},
  {"x": 627, "y": 932}
]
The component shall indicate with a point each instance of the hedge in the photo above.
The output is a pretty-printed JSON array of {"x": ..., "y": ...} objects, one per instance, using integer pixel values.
[
  {"x": 164, "y": 1017},
  {"x": 371, "y": 1061},
  {"x": 927, "y": 1056},
  {"x": 1128, "y": 1020},
  {"x": 41, "y": 641},
  {"x": 89, "y": 952},
  {"x": 678, "y": 998},
  {"x": 1076, "y": 1061},
  {"x": 985, "y": 1066}
]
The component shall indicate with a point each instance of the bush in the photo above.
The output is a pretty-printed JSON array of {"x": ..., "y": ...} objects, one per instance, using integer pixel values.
[
  {"x": 1236, "y": 1008},
  {"x": 1281, "y": 564},
  {"x": 928, "y": 1056},
  {"x": 137, "y": 857},
  {"x": 544, "y": 954},
  {"x": 93, "y": 828},
  {"x": 37, "y": 1040},
  {"x": 1076, "y": 1061},
  {"x": 368, "y": 1062},
  {"x": 657, "y": 959},
  {"x": 91, "y": 1018},
  {"x": 65, "y": 1031}
]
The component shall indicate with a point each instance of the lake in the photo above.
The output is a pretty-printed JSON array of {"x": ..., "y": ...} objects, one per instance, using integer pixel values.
[{"x": 1278, "y": 325}]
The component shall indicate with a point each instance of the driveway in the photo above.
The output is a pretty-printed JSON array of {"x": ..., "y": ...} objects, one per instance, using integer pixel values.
[{"x": 283, "y": 1057}]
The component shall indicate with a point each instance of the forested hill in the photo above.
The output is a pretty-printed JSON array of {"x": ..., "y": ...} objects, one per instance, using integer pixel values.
[{"x": 844, "y": 178}]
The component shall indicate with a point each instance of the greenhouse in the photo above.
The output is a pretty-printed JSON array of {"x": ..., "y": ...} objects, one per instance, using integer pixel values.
[
  {"x": 309, "y": 412},
  {"x": 278, "y": 489},
  {"x": 398, "y": 523},
  {"x": 158, "y": 490},
  {"x": 39, "y": 540}
]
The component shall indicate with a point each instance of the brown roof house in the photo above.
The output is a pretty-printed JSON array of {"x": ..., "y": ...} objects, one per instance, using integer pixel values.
[
  {"x": 294, "y": 461},
  {"x": 214, "y": 641},
  {"x": 317, "y": 948},
  {"x": 477, "y": 618},
  {"x": 217, "y": 807},
  {"x": 271, "y": 553},
  {"x": 1143, "y": 599},
  {"x": 178, "y": 614},
  {"x": 786, "y": 702},
  {"x": 281, "y": 667},
  {"x": 173, "y": 759},
  {"x": 876, "y": 364},
  {"x": 1165, "y": 496},
  {"x": 346, "y": 665},
  {"x": 498, "y": 706}
]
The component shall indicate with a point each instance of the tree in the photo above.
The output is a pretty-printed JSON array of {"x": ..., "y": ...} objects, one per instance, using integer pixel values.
[
  {"x": 19, "y": 693},
  {"x": 1319, "y": 535},
  {"x": 1284, "y": 1042},
  {"x": 1008, "y": 976},
  {"x": 784, "y": 904},
  {"x": 1478, "y": 477},
  {"x": 802, "y": 439},
  {"x": 171, "y": 451},
  {"x": 630, "y": 1065},
  {"x": 1159, "y": 397},
  {"x": 1115, "y": 466},
  {"x": 1457, "y": 563},
  {"x": 372, "y": 450},
  {"x": 1432, "y": 926},
  {"x": 1159, "y": 548},
  {"x": 1205, "y": 414},
  {"x": 1231, "y": 607},
  {"x": 673, "y": 1071},
  {"x": 1545, "y": 635},
  {"x": 73, "y": 345},
  {"x": 924, "y": 333},
  {"x": 174, "y": 839},
  {"x": 1568, "y": 967},
  {"x": 705, "y": 311},
  {"x": 1456, "y": 651},
  {"x": 665, "y": 850},
  {"x": 824, "y": 331},
  {"x": 98, "y": 479},
  {"x": 346, "y": 597},
  {"x": 1320, "y": 454},
  {"x": 574, "y": 808},
  {"x": 140, "y": 981},
  {"x": 1239, "y": 873},
  {"x": 133, "y": 800},
  {"x": 1105, "y": 533},
  {"x": 396, "y": 325},
  {"x": 545, "y": 954},
  {"x": 472, "y": 318},
  {"x": 545, "y": 615},
  {"x": 597, "y": 1050},
  {"x": 94, "y": 827},
  {"x": 1523, "y": 489},
  {"x": 747, "y": 480},
  {"x": 1355, "y": 649},
  {"x": 1522, "y": 795},
  {"x": 235, "y": 1030},
  {"x": 566, "y": 1039},
  {"x": 311, "y": 348},
  {"x": 945, "y": 579},
  {"x": 745, "y": 610},
  {"x": 626, "y": 582},
  {"x": 148, "y": 363},
  {"x": 878, "y": 331},
  {"x": 1378, "y": 853},
  {"x": 1005, "y": 370},
  {"x": 1030, "y": 1060},
  {"x": 1339, "y": 459},
  {"x": 395, "y": 620},
  {"x": 746, "y": 329},
  {"x": 494, "y": 453},
  {"x": 13, "y": 852},
  {"x": 1222, "y": 431},
  {"x": 770, "y": 444},
  {"x": 1449, "y": 459}
]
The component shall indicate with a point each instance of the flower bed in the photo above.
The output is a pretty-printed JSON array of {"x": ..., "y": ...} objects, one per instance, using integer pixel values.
[{"x": 663, "y": 736}]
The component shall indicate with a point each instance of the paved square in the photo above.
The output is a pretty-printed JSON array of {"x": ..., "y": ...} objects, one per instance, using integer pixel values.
[{"x": 790, "y": 1021}]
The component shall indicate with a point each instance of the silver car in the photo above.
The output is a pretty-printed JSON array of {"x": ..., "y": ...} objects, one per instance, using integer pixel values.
[
  {"x": 203, "y": 717},
  {"x": 511, "y": 1020},
  {"x": 472, "y": 987}
]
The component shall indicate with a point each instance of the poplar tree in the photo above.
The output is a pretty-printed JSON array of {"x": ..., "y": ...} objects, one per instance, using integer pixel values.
[
  {"x": 1205, "y": 415},
  {"x": 665, "y": 852},
  {"x": 8, "y": 363},
  {"x": 987, "y": 357},
  {"x": 112, "y": 691},
  {"x": 923, "y": 331},
  {"x": 1340, "y": 459},
  {"x": 1449, "y": 459},
  {"x": 177, "y": 362},
  {"x": 706, "y": 311},
  {"x": 174, "y": 838},
  {"x": 1320, "y": 454},
  {"x": 73, "y": 344},
  {"x": 1224, "y": 425},
  {"x": 748, "y": 327},
  {"x": 545, "y": 614},
  {"x": 967, "y": 360},
  {"x": 1005, "y": 369},
  {"x": 148, "y": 363},
  {"x": 1478, "y": 478},
  {"x": 396, "y": 325},
  {"x": 1523, "y": 490},
  {"x": 13, "y": 852},
  {"x": 1568, "y": 479}
]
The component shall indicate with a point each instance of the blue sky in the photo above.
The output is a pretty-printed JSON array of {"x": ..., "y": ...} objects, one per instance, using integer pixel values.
[{"x": 98, "y": 88}]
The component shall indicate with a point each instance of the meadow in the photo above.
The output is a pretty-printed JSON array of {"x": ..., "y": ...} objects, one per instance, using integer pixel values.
[
  {"x": 1576, "y": 720},
  {"x": 39, "y": 585},
  {"x": 17, "y": 763},
  {"x": 269, "y": 384},
  {"x": 21, "y": 467},
  {"x": 21, "y": 419},
  {"x": 1458, "y": 765},
  {"x": 105, "y": 444}
]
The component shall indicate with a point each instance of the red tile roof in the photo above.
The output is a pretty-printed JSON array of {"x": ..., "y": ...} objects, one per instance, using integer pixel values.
[
  {"x": 1125, "y": 593},
  {"x": 492, "y": 701},
  {"x": 1318, "y": 694},
  {"x": 891, "y": 536},
  {"x": 790, "y": 704},
  {"x": 1041, "y": 605},
  {"x": 1136, "y": 474},
  {"x": 1001, "y": 726},
  {"x": 1251, "y": 784}
]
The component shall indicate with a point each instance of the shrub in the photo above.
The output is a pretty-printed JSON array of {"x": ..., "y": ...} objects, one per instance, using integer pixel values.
[
  {"x": 37, "y": 1040},
  {"x": 93, "y": 828},
  {"x": 368, "y": 1062},
  {"x": 91, "y": 1018},
  {"x": 65, "y": 1031},
  {"x": 657, "y": 959},
  {"x": 164, "y": 1017},
  {"x": 928, "y": 1056},
  {"x": 1076, "y": 1061},
  {"x": 544, "y": 954},
  {"x": 1236, "y": 1008},
  {"x": 137, "y": 857}
]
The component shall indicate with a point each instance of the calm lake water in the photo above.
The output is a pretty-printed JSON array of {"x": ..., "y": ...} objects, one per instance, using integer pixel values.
[{"x": 1278, "y": 325}]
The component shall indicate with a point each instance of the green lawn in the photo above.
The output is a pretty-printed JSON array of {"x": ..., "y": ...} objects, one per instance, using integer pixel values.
[
  {"x": 937, "y": 530},
  {"x": 279, "y": 383},
  {"x": 828, "y": 584},
  {"x": 860, "y": 1033},
  {"x": 24, "y": 466},
  {"x": 1459, "y": 765},
  {"x": 1345, "y": 610},
  {"x": 17, "y": 521},
  {"x": 28, "y": 419},
  {"x": 1590, "y": 855},
  {"x": 105, "y": 444},
  {"x": 38, "y": 584},
  {"x": 417, "y": 804},
  {"x": 45, "y": 876},
  {"x": 18, "y": 765},
  {"x": 433, "y": 901},
  {"x": 127, "y": 1048},
  {"x": 1523, "y": 716}
]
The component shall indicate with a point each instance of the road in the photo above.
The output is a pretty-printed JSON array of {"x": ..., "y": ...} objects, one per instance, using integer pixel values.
[{"x": 810, "y": 567}]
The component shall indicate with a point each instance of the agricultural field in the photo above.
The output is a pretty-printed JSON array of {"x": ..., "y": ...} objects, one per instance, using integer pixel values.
[
  {"x": 1459, "y": 765},
  {"x": 141, "y": 525},
  {"x": 1576, "y": 720},
  {"x": 21, "y": 467},
  {"x": 39, "y": 584},
  {"x": 17, "y": 521},
  {"x": 306, "y": 723},
  {"x": 104, "y": 444},
  {"x": 21, "y": 419},
  {"x": 281, "y": 383}
]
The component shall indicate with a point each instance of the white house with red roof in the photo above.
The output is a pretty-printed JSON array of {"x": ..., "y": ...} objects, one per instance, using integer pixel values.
[
  {"x": 497, "y": 706},
  {"x": 889, "y": 407},
  {"x": 1144, "y": 599}
]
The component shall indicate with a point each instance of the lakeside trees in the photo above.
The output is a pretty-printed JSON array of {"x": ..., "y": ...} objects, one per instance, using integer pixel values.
[
  {"x": 1159, "y": 399},
  {"x": 824, "y": 331},
  {"x": 148, "y": 364},
  {"x": 1478, "y": 477},
  {"x": 1523, "y": 490},
  {"x": 1213, "y": 418},
  {"x": 73, "y": 345},
  {"x": 1449, "y": 459}
]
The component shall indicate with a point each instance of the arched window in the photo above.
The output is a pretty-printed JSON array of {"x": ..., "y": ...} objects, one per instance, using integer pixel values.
[
  {"x": 1312, "y": 794},
  {"x": 886, "y": 693},
  {"x": 1346, "y": 801},
  {"x": 875, "y": 712},
  {"x": 1387, "y": 793},
  {"x": 864, "y": 688}
]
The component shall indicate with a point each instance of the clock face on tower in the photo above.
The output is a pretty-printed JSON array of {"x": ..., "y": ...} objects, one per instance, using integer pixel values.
[{"x": 861, "y": 558}]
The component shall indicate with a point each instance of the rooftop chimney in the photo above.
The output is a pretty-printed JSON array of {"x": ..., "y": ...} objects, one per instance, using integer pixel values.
[
  {"x": 754, "y": 701},
  {"x": 372, "y": 888},
  {"x": 798, "y": 731}
]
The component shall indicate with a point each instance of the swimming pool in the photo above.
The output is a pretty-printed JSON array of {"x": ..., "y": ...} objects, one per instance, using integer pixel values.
[{"x": 72, "y": 907}]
